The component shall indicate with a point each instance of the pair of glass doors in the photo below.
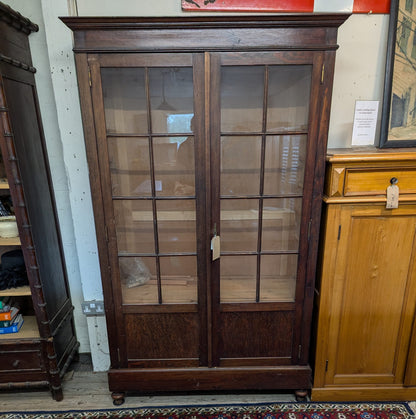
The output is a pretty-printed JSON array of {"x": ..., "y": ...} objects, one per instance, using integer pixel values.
[{"x": 201, "y": 145}]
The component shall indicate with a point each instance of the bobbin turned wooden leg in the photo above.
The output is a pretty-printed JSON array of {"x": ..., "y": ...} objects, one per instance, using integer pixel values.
[
  {"x": 118, "y": 398},
  {"x": 301, "y": 395},
  {"x": 57, "y": 393}
]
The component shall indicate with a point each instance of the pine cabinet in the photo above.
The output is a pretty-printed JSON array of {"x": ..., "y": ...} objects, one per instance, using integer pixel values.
[
  {"x": 206, "y": 142},
  {"x": 40, "y": 353},
  {"x": 367, "y": 286}
]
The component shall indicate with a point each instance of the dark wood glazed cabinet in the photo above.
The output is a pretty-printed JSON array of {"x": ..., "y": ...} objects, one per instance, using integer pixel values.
[
  {"x": 39, "y": 354},
  {"x": 199, "y": 128}
]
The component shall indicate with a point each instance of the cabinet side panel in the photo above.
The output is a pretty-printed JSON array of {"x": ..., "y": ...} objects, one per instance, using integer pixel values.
[
  {"x": 38, "y": 199},
  {"x": 14, "y": 44}
]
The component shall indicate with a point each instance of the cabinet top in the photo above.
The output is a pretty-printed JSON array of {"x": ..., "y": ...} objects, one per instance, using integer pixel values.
[
  {"x": 15, "y": 19},
  {"x": 202, "y": 22},
  {"x": 362, "y": 175},
  {"x": 370, "y": 154},
  {"x": 218, "y": 33}
]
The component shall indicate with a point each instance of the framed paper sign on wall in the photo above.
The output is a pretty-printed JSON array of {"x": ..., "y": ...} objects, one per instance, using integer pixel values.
[{"x": 398, "y": 124}]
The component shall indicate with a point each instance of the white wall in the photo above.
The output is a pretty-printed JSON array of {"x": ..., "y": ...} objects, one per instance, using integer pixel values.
[{"x": 359, "y": 74}]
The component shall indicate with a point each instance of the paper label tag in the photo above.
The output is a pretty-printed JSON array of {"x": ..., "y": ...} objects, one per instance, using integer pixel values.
[
  {"x": 392, "y": 197},
  {"x": 215, "y": 247}
]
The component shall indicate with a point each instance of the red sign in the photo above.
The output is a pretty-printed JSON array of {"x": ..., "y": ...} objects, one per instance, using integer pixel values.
[
  {"x": 249, "y": 5},
  {"x": 371, "y": 6},
  {"x": 297, "y": 6}
]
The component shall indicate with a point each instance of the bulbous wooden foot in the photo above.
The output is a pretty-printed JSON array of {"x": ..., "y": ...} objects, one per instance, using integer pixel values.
[
  {"x": 301, "y": 395},
  {"x": 118, "y": 398}
]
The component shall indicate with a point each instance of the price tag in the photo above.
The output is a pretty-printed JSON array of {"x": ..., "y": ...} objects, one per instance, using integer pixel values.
[
  {"x": 392, "y": 197},
  {"x": 215, "y": 247}
]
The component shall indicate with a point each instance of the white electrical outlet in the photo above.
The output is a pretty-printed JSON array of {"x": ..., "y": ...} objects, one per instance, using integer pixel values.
[{"x": 93, "y": 308}]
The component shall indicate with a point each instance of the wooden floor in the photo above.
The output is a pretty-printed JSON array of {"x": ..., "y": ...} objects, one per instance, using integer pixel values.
[
  {"x": 84, "y": 389},
  {"x": 87, "y": 390}
]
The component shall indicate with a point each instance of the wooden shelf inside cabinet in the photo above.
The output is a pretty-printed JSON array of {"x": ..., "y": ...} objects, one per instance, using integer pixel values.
[
  {"x": 29, "y": 330},
  {"x": 16, "y": 292},
  {"x": 10, "y": 241},
  {"x": 278, "y": 213},
  {"x": 4, "y": 184}
]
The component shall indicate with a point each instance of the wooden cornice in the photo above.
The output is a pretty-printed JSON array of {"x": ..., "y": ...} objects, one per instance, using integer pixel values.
[
  {"x": 205, "y": 22},
  {"x": 15, "y": 19}
]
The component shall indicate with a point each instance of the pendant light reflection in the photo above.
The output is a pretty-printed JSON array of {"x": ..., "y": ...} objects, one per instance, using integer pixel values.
[{"x": 165, "y": 106}]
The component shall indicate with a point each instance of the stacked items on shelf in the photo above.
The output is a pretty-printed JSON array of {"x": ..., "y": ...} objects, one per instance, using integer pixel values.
[
  {"x": 6, "y": 206},
  {"x": 12, "y": 270},
  {"x": 10, "y": 319},
  {"x": 8, "y": 225}
]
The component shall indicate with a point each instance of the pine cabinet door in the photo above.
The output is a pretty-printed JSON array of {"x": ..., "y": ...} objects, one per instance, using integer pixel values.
[{"x": 373, "y": 295}]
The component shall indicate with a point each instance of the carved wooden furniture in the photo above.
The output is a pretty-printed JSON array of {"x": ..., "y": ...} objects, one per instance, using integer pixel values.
[
  {"x": 40, "y": 352},
  {"x": 366, "y": 295},
  {"x": 206, "y": 142}
]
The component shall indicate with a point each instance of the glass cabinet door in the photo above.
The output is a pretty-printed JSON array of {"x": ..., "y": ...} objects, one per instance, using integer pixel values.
[
  {"x": 262, "y": 105},
  {"x": 186, "y": 150},
  {"x": 149, "y": 119},
  {"x": 263, "y": 142}
]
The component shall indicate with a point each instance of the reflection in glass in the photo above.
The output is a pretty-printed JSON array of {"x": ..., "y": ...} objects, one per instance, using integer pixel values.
[
  {"x": 238, "y": 278},
  {"x": 124, "y": 96},
  {"x": 171, "y": 94},
  {"x": 288, "y": 97},
  {"x": 174, "y": 166},
  {"x": 134, "y": 226},
  {"x": 138, "y": 280},
  {"x": 278, "y": 277},
  {"x": 179, "y": 279},
  {"x": 129, "y": 166},
  {"x": 284, "y": 164},
  {"x": 281, "y": 224},
  {"x": 240, "y": 165},
  {"x": 239, "y": 224},
  {"x": 176, "y": 226},
  {"x": 242, "y": 90}
]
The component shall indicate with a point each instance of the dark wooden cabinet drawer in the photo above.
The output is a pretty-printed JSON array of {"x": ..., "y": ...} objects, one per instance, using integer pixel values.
[{"x": 20, "y": 360}]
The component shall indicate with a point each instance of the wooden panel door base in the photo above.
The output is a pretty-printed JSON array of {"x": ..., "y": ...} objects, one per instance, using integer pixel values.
[
  {"x": 194, "y": 379},
  {"x": 356, "y": 393}
]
